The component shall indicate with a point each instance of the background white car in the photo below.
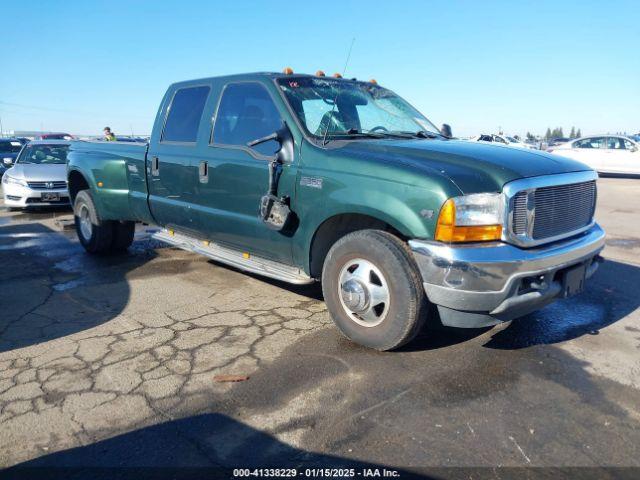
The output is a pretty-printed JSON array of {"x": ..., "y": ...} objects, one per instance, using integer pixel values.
[
  {"x": 603, "y": 153},
  {"x": 502, "y": 140},
  {"x": 39, "y": 176}
]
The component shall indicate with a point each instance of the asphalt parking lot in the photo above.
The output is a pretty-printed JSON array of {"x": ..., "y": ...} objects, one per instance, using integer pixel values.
[{"x": 110, "y": 361}]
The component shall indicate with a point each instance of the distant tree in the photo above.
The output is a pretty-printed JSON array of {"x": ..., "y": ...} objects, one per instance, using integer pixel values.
[
  {"x": 547, "y": 135},
  {"x": 573, "y": 132},
  {"x": 530, "y": 137},
  {"x": 578, "y": 134}
]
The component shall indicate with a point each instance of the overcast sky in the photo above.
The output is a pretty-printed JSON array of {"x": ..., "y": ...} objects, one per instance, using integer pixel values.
[{"x": 79, "y": 66}]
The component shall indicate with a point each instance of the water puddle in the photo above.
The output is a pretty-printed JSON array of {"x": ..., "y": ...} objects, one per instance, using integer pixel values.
[{"x": 61, "y": 287}]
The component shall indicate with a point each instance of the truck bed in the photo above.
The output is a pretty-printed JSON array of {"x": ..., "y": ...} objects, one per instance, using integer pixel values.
[{"x": 117, "y": 178}]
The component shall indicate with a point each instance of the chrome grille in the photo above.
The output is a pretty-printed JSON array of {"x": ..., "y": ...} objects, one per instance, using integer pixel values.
[
  {"x": 559, "y": 210},
  {"x": 57, "y": 185},
  {"x": 520, "y": 213},
  {"x": 563, "y": 208}
]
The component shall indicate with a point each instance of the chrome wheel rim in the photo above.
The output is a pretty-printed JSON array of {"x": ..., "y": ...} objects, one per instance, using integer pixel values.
[
  {"x": 86, "y": 227},
  {"x": 364, "y": 292}
]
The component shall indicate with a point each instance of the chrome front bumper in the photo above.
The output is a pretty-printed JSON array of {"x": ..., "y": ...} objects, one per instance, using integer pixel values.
[{"x": 477, "y": 285}]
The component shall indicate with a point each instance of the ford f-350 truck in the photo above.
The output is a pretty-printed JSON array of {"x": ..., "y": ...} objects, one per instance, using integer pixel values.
[{"x": 307, "y": 177}]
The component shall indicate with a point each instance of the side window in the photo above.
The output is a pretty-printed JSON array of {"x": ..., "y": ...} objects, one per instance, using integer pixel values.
[
  {"x": 246, "y": 113},
  {"x": 498, "y": 139},
  {"x": 593, "y": 142},
  {"x": 615, "y": 143},
  {"x": 183, "y": 118}
]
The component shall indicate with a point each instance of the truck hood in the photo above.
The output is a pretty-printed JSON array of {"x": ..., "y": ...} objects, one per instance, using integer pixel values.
[
  {"x": 472, "y": 166},
  {"x": 39, "y": 173}
]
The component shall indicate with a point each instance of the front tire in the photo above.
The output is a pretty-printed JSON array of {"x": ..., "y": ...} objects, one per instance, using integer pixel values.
[
  {"x": 122, "y": 235},
  {"x": 95, "y": 235},
  {"x": 373, "y": 289}
]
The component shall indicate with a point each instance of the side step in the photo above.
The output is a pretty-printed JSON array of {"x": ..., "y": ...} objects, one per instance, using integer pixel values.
[{"x": 234, "y": 258}]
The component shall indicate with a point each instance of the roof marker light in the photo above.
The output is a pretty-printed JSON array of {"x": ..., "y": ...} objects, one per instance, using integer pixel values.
[
  {"x": 337, "y": 75},
  {"x": 373, "y": 80},
  {"x": 287, "y": 71},
  {"x": 320, "y": 73}
]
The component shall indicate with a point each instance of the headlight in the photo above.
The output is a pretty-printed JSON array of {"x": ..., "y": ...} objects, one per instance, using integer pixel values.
[
  {"x": 9, "y": 179},
  {"x": 471, "y": 218}
]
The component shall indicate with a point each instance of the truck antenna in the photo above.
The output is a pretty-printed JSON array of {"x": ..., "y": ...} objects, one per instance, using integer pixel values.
[{"x": 344, "y": 70}]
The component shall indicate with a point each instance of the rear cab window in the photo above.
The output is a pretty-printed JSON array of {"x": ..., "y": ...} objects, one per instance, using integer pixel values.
[{"x": 183, "y": 115}]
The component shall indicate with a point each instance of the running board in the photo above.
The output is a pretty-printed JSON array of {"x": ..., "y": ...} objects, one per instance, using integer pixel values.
[{"x": 234, "y": 258}]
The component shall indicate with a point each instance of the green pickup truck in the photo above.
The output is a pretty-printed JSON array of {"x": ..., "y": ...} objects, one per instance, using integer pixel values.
[{"x": 308, "y": 177}]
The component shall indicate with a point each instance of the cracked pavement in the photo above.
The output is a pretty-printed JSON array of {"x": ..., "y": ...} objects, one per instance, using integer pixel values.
[{"x": 116, "y": 356}]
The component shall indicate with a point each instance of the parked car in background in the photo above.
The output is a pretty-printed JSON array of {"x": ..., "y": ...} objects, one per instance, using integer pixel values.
[
  {"x": 502, "y": 139},
  {"x": 9, "y": 149},
  {"x": 304, "y": 178},
  {"x": 557, "y": 141},
  {"x": 55, "y": 136},
  {"x": 39, "y": 176},
  {"x": 604, "y": 153}
]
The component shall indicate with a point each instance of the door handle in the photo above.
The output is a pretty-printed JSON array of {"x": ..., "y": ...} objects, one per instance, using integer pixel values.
[
  {"x": 155, "y": 166},
  {"x": 203, "y": 172}
]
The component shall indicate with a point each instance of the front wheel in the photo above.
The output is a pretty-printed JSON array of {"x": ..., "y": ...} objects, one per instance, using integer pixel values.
[
  {"x": 373, "y": 289},
  {"x": 95, "y": 235}
]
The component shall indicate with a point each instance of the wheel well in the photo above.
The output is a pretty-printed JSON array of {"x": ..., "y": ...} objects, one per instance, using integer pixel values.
[
  {"x": 77, "y": 183},
  {"x": 337, "y": 227}
]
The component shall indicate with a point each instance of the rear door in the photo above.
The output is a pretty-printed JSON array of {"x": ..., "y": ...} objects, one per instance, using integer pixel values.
[
  {"x": 172, "y": 161},
  {"x": 237, "y": 176}
]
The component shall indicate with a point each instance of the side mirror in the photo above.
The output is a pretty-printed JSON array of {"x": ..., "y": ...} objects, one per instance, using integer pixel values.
[
  {"x": 275, "y": 210},
  {"x": 283, "y": 136},
  {"x": 8, "y": 161},
  {"x": 633, "y": 149},
  {"x": 446, "y": 130}
]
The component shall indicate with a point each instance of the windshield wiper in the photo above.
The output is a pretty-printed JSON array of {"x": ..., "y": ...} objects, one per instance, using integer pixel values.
[
  {"x": 353, "y": 133},
  {"x": 409, "y": 134},
  {"x": 427, "y": 134}
]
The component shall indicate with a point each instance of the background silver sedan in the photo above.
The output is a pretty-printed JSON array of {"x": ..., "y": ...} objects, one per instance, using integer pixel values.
[{"x": 39, "y": 176}]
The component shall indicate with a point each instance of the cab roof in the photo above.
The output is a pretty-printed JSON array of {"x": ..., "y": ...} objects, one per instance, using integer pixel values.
[{"x": 259, "y": 75}]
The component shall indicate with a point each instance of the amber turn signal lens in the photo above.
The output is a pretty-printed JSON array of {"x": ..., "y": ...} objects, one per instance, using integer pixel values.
[{"x": 448, "y": 231}]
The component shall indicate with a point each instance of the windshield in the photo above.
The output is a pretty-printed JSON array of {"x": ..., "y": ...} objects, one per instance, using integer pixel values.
[
  {"x": 513, "y": 140},
  {"x": 10, "y": 147},
  {"x": 44, "y": 154},
  {"x": 343, "y": 106}
]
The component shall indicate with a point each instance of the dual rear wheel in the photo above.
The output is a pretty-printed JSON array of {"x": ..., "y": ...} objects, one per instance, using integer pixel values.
[{"x": 96, "y": 235}]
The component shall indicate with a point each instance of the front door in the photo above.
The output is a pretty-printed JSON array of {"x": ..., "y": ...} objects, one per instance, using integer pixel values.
[
  {"x": 237, "y": 176},
  {"x": 619, "y": 156},
  {"x": 172, "y": 161}
]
